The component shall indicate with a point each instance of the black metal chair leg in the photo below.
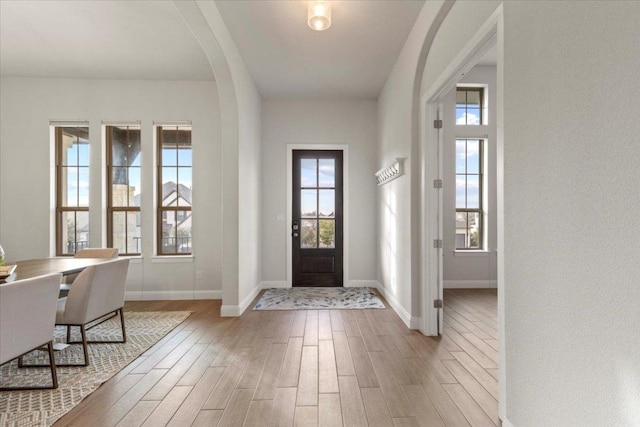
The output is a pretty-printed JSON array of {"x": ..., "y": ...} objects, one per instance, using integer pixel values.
[
  {"x": 84, "y": 345},
  {"x": 124, "y": 333},
  {"x": 52, "y": 362}
]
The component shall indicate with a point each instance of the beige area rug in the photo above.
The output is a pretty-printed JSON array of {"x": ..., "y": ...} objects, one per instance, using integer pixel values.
[
  {"x": 318, "y": 298},
  {"x": 44, "y": 407}
]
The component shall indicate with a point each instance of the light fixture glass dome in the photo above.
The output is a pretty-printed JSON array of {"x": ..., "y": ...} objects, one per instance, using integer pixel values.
[{"x": 319, "y": 16}]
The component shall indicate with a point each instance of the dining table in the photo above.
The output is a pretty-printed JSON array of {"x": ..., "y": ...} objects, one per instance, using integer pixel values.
[{"x": 38, "y": 267}]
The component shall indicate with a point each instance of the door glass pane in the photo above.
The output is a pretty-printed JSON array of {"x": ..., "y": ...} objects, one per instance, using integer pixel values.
[
  {"x": 308, "y": 173},
  {"x": 473, "y": 156},
  {"x": 460, "y": 156},
  {"x": 473, "y": 191},
  {"x": 461, "y": 184},
  {"x": 474, "y": 230},
  {"x": 169, "y": 232},
  {"x": 327, "y": 233},
  {"x": 327, "y": 204},
  {"x": 308, "y": 234},
  {"x": 184, "y": 187},
  {"x": 308, "y": 203},
  {"x": 327, "y": 173},
  {"x": 83, "y": 186},
  {"x": 119, "y": 231}
]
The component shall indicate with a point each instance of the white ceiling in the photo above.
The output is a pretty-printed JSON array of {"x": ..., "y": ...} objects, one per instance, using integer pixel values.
[
  {"x": 352, "y": 58},
  {"x": 149, "y": 40},
  {"x": 98, "y": 39}
]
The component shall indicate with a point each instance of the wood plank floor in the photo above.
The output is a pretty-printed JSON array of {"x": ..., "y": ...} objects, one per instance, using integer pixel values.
[{"x": 308, "y": 367}]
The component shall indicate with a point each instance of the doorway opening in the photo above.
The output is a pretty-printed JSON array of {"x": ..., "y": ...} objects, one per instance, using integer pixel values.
[{"x": 486, "y": 42}]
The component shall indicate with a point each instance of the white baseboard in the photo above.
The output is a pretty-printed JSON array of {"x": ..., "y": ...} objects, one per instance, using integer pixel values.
[
  {"x": 397, "y": 307},
  {"x": 171, "y": 295},
  {"x": 237, "y": 310},
  {"x": 273, "y": 284},
  {"x": 470, "y": 284}
]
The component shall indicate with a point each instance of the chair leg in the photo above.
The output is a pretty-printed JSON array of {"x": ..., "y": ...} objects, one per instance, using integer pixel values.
[
  {"x": 52, "y": 361},
  {"x": 68, "y": 334},
  {"x": 51, "y": 365},
  {"x": 84, "y": 345},
  {"x": 124, "y": 332}
]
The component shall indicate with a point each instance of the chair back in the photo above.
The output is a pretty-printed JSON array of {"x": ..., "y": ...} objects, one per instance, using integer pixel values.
[
  {"x": 97, "y": 253},
  {"x": 98, "y": 290},
  {"x": 27, "y": 314}
]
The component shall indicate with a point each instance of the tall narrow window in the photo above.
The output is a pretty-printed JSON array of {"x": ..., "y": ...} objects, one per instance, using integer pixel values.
[
  {"x": 174, "y": 190},
  {"x": 72, "y": 189},
  {"x": 123, "y": 189},
  {"x": 469, "y": 192},
  {"x": 469, "y": 105}
]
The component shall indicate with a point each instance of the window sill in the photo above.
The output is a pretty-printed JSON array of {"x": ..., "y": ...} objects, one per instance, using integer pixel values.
[
  {"x": 172, "y": 259},
  {"x": 481, "y": 253}
]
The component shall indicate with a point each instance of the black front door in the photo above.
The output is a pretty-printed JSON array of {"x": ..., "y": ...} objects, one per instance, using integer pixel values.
[{"x": 316, "y": 231}]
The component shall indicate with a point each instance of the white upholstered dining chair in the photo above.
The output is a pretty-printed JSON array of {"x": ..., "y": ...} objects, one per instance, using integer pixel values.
[
  {"x": 86, "y": 253},
  {"x": 97, "y": 253},
  {"x": 27, "y": 317},
  {"x": 97, "y": 291}
]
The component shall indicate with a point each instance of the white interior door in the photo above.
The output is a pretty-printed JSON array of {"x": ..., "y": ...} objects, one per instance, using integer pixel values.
[{"x": 439, "y": 216}]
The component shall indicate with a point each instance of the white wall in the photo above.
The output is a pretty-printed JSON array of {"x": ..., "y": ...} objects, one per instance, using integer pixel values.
[
  {"x": 571, "y": 287},
  {"x": 467, "y": 269},
  {"x": 572, "y": 253},
  {"x": 27, "y": 105},
  {"x": 398, "y": 208},
  {"x": 351, "y": 123},
  {"x": 241, "y": 141}
]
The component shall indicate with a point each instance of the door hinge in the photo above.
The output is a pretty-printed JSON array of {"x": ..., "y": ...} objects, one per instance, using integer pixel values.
[
  {"x": 437, "y": 243},
  {"x": 437, "y": 124},
  {"x": 437, "y": 303},
  {"x": 437, "y": 183}
]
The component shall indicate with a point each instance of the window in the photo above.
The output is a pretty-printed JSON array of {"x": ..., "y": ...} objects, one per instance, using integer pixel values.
[
  {"x": 469, "y": 193},
  {"x": 317, "y": 203},
  {"x": 469, "y": 105},
  {"x": 123, "y": 189},
  {"x": 72, "y": 189},
  {"x": 174, "y": 190}
]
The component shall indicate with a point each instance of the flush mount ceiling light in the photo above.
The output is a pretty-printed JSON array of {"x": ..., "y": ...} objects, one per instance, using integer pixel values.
[{"x": 319, "y": 16}]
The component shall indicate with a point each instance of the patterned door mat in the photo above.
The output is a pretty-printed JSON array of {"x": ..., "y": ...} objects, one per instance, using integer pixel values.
[
  {"x": 318, "y": 298},
  {"x": 44, "y": 407}
]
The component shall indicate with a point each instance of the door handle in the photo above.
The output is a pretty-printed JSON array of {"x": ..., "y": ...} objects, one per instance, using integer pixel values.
[{"x": 294, "y": 227}]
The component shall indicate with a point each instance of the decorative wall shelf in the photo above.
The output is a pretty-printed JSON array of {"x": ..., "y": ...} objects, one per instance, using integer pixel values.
[{"x": 390, "y": 172}]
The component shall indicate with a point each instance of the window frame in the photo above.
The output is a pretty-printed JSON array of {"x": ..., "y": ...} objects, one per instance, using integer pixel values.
[
  {"x": 161, "y": 210},
  {"x": 60, "y": 208},
  {"x": 126, "y": 209},
  {"x": 481, "y": 190},
  {"x": 481, "y": 105}
]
